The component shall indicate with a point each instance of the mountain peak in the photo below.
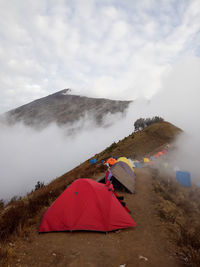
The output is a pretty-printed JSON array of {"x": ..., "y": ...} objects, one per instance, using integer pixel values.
[
  {"x": 65, "y": 91},
  {"x": 64, "y": 108}
]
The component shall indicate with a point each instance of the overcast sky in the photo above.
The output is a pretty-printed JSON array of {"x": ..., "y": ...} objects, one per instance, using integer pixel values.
[{"x": 120, "y": 49}]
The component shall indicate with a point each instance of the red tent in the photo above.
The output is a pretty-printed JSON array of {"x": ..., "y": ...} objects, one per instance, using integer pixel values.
[{"x": 86, "y": 205}]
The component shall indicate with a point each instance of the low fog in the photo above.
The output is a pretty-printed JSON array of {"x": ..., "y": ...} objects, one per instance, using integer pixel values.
[
  {"x": 28, "y": 156},
  {"x": 178, "y": 103}
]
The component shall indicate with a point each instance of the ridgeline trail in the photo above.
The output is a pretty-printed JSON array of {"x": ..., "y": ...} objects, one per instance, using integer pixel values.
[{"x": 145, "y": 245}]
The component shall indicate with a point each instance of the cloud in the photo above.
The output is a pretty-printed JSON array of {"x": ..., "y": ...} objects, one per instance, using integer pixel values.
[
  {"x": 178, "y": 102},
  {"x": 120, "y": 50},
  {"x": 124, "y": 47},
  {"x": 180, "y": 93},
  {"x": 28, "y": 155}
]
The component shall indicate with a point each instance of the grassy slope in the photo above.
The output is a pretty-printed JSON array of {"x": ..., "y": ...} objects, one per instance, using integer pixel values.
[
  {"x": 141, "y": 143},
  {"x": 179, "y": 209}
]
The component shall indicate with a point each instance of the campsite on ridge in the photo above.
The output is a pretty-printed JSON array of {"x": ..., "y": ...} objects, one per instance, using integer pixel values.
[
  {"x": 99, "y": 133},
  {"x": 159, "y": 207}
]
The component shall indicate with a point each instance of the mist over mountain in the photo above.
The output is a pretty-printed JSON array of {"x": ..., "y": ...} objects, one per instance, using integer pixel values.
[{"x": 64, "y": 108}]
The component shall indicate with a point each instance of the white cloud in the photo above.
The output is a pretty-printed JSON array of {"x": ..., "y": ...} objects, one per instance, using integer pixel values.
[
  {"x": 28, "y": 156},
  {"x": 125, "y": 47}
]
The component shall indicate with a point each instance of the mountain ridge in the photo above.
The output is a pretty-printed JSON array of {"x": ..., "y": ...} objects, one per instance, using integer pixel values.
[{"x": 64, "y": 108}]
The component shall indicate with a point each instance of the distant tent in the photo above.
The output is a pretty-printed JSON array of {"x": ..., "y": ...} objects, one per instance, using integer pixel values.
[
  {"x": 86, "y": 205},
  {"x": 165, "y": 151},
  {"x": 183, "y": 178},
  {"x": 156, "y": 156},
  {"x": 93, "y": 161},
  {"x": 152, "y": 158},
  {"x": 127, "y": 161},
  {"x": 111, "y": 161},
  {"x": 146, "y": 160}
]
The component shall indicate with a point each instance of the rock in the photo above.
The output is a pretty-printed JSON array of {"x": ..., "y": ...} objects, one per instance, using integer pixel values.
[{"x": 143, "y": 258}]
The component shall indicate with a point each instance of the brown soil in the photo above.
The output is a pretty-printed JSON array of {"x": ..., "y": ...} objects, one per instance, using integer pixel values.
[{"x": 145, "y": 245}]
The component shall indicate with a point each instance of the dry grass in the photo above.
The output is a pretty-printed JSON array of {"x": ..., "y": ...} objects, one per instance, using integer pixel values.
[
  {"x": 20, "y": 213},
  {"x": 138, "y": 144},
  {"x": 18, "y": 216},
  {"x": 6, "y": 253},
  {"x": 179, "y": 208}
]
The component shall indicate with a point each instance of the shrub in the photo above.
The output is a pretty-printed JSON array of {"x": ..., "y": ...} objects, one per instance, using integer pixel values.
[
  {"x": 19, "y": 212},
  {"x": 2, "y": 203},
  {"x": 178, "y": 208},
  {"x": 39, "y": 185},
  {"x": 6, "y": 253},
  {"x": 14, "y": 199},
  {"x": 111, "y": 147},
  {"x": 142, "y": 122}
]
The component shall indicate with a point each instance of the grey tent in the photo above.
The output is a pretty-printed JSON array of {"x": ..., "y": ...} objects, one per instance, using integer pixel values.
[
  {"x": 123, "y": 177},
  {"x": 124, "y": 174}
]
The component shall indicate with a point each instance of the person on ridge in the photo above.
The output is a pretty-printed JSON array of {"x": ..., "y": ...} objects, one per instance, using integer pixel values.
[{"x": 109, "y": 163}]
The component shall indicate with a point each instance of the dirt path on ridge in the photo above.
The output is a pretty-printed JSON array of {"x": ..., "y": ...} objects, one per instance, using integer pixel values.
[{"x": 90, "y": 249}]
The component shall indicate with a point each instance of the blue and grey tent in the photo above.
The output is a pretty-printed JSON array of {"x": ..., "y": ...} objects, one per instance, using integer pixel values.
[
  {"x": 183, "y": 178},
  {"x": 93, "y": 161}
]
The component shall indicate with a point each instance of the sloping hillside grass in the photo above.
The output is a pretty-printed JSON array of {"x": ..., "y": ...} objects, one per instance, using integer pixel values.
[
  {"x": 179, "y": 209},
  {"x": 140, "y": 143},
  {"x": 20, "y": 213}
]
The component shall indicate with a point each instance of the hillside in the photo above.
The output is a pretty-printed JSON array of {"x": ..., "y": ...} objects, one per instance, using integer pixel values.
[
  {"x": 153, "y": 207},
  {"x": 141, "y": 143},
  {"x": 64, "y": 108}
]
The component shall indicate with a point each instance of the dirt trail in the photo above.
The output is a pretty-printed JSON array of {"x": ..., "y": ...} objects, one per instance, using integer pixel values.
[{"x": 89, "y": 249}]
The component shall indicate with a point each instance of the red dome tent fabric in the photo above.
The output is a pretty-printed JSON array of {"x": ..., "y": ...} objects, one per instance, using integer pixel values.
[{"x": 86, "y": 205}]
